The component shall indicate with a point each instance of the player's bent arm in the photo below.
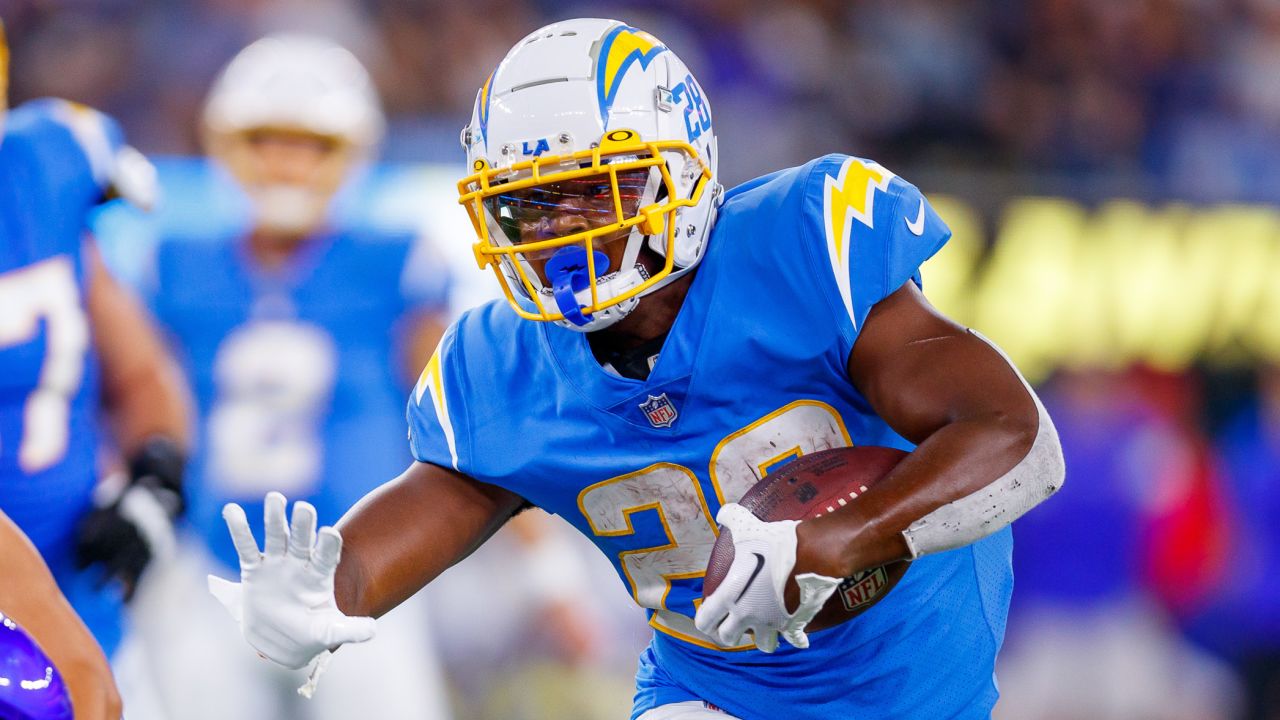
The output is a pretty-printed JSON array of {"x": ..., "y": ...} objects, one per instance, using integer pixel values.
[
  {"x": 30, "y": 596},
  {"x": 143, "y": 390},
  {"x": 402, "y": 535},
  {"x": 986, "y": 451}
]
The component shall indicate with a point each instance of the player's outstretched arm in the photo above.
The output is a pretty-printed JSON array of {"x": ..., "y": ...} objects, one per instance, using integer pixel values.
[
  {"x": 986, "y": 450},
  {"x": 405, "y": 533},
  {"x": 305, "y": 593},
  {"x": 284, "y": 602},
  {"x": 30, "y": 596}
]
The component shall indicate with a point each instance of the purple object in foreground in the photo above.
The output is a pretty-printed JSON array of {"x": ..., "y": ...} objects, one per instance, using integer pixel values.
[{"x": 30, "y": 687}]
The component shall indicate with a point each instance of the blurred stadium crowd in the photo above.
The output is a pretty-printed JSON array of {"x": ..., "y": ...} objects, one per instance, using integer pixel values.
[
  {"x": 1178, "y": 95},
  {"x": 1151, "y": 588}
]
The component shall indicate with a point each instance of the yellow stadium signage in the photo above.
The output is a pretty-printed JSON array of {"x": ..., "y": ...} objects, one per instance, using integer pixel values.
[{"x": 1065, "y": 285}]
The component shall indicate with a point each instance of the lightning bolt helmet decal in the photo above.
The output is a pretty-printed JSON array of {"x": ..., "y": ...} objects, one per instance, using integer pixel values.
[{"x": 622, "y": 47}]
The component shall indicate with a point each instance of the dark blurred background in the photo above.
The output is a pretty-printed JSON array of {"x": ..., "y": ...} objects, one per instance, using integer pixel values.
[
  {"x": 1110, "y": 170},
  {"x": 1161, "y": 97}
]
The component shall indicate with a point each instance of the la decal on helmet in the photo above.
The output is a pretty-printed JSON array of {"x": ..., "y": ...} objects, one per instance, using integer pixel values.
[{"x": 593, "y": 172}]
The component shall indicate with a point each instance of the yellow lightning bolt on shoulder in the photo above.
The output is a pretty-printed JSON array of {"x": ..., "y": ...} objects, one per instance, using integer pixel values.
[
  {"x": 431, "y": 382},
  {"x": 849, "y": 195},
  {"x": 852, "y": 193},
  {"x": 428, "y": 376}
]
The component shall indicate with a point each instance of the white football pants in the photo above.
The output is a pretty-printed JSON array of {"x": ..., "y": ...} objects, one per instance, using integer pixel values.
[{"x": 133, "y": 679}]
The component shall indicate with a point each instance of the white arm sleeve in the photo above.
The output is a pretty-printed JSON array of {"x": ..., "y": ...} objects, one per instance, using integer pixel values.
[{"x": 1037, "y": 475}]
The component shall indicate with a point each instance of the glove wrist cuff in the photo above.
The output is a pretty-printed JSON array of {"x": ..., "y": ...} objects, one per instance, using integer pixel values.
[{"x": 158, "y": 465}]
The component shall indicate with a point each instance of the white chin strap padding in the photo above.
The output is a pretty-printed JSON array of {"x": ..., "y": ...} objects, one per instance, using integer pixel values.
[{"x": 610, "y": 286}]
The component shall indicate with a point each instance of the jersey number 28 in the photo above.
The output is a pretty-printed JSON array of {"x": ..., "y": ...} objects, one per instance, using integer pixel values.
[{"x": 739, "y": 461}]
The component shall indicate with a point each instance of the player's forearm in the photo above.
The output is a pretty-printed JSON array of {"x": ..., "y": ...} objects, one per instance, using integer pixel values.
[
  {"x": 150, "y": 402},
  {"x": 986, "y": 450},
  {"x": 955, "y": 462},
  {"x": 143, "y": 391},
  {"x": 404, "y": 534},
  {"x": 31, "y": 597},
  {"x": 28, "y": 586}
]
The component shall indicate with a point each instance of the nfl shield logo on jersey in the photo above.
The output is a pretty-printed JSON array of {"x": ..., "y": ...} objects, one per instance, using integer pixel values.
[{"x": 659, "y": 410}]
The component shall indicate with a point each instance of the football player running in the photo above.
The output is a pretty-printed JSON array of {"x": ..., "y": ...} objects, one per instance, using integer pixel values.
[
  {"x": 665, "y": 344},
  {"x": 292, "y": 326},
  {"x": 75, "y": 346}
]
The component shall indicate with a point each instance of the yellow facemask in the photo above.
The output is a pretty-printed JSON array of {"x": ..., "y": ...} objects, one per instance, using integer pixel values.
[{"x": 615, "y": 164}]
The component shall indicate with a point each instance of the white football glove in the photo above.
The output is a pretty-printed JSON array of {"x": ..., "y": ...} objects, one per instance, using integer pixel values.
[
  {"x": 284, "y": 601},
  {"x": 750, "y": 598}
]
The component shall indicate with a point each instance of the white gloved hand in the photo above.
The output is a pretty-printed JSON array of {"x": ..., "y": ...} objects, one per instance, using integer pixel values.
[
  {"x": 750, "y": 598},
  {"x": 284, "y": 601}
]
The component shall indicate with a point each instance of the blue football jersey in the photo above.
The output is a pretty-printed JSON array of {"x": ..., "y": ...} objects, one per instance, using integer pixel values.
[
  {"x": 752, "y": 374},
  {"x": 295, "y": 370},
  {"x": 55, "y": 168}
]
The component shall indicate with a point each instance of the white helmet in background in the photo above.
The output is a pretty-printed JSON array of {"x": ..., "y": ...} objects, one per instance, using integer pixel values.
[
  {"x": 588, "y": 143},
  {"x": 293, "y": 84}
]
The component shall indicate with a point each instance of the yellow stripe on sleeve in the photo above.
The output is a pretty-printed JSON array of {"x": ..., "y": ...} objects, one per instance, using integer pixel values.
[{"x": 432, "y": 381}]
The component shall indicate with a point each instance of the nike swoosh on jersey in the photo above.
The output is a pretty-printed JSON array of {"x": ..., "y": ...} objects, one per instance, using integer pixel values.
[
  {"x": 754, "y": 573},
  {"x": 917, "y": 227}
]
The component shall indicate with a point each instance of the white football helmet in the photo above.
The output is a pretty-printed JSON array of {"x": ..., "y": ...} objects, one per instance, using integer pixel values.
[
  {"x": 293, "y": 84},
  {"x": 590, "y": 141}
]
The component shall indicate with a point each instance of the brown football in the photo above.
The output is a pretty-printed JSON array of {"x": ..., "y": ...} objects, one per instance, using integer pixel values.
[{"x": 813, "y": 485}]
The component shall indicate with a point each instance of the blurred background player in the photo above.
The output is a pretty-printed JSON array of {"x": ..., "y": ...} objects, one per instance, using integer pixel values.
[
  {"x": 1096, "y": 627},
  {"x": 76, "y": 352},
  {"x": 298, "y": 333},
  {"x": 33, "y": 610},
  {"x": 1241, "y": 621}
]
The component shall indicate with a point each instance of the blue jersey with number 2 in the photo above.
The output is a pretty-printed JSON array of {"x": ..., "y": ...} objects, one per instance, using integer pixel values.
[
  {"x": 55, "y": 163},
  {"x": 751, "y": 375},
  {"x": 294, "y": 368}
]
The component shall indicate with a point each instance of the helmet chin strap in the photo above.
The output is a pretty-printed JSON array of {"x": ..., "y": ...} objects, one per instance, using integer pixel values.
[{"x": 571, "y": 288}]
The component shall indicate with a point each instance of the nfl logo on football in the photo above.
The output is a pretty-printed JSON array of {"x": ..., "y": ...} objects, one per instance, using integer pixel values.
[
  {"x": 659, "y": 410},
  {"x": 862, "y": 588}
]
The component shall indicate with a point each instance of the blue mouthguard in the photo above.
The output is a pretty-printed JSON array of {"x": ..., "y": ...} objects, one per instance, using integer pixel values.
[{"x": 567, "y": 271}]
